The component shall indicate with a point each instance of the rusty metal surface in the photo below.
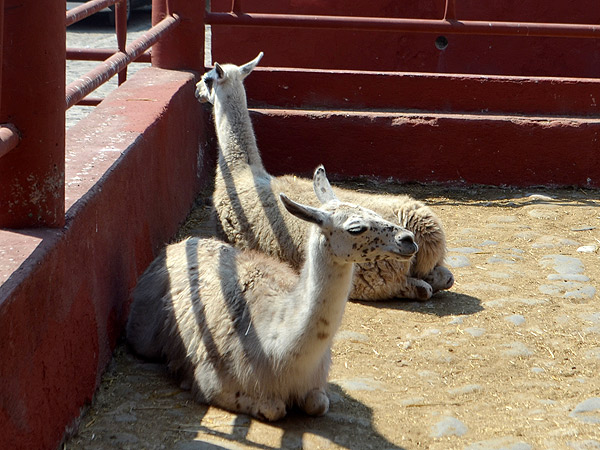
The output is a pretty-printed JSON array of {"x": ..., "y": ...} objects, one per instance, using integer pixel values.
[{"x": 78, "y": 89}]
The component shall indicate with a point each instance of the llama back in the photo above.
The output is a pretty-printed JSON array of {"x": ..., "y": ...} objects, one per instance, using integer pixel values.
[
  {"x": 148, "y": 313},
  {"x": 252, "y": 219},
  {"x": 208, "y": 316}
]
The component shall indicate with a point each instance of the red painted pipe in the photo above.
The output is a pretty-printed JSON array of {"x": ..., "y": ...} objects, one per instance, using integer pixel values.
[
  {"x": 100, "y": 54},
  {"x": 9, "y": 138},
  {"x": 184, "y": 48},
  {"x": 113, "y": 65},
  {"x": 405, "y": 25},
  {"x": 32, "y": 178},
  {"x": 121, "y": 30},
  {"x": 87, "y": 9}
]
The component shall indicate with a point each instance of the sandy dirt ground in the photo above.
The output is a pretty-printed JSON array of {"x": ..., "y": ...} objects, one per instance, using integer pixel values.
[{"x": 507, "y": 359}]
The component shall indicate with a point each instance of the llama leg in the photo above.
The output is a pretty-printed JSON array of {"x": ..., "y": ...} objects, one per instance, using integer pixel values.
[
  {"x": 210, "y": 387},
  {"x": 268, "y": 409},
  {"x": 418, "y": 289},
  {"x": 414, "y": 288},
  {"x": 315, "y": 403},
  {"x": 440, "y": 278}
]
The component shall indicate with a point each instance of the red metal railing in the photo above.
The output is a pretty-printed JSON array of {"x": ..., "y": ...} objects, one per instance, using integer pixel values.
[
  {"x": 77, "y": 90},
  {"x": 32, "y": 184},
  {"x": 113, "y": 63},
  {"x": 449, "y": 24}
]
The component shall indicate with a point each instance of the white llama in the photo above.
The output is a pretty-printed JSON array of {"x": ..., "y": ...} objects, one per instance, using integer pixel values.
[
  {"x": 243, "y": 330},
  {"x": 248, "y": 215}
]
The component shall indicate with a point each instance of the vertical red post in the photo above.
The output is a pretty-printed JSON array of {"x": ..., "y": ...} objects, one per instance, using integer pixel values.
[
  {"x": 33, "y": 99},
  {"x": 184, "y": 47},
  {"x": 121, "y": 30}
]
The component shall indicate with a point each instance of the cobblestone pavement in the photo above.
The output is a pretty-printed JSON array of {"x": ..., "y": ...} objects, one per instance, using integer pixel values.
[
  {"x": 507, "y": 359},
  {"x": 96, "y": 32}
]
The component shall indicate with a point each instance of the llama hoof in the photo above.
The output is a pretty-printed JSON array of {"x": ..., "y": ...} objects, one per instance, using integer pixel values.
[
  {"x": 270, "y": 410},
  {"x": 316, "y": 403},
  {"x": 440, "y": 278},
  {"x": 424, "y": 291}
]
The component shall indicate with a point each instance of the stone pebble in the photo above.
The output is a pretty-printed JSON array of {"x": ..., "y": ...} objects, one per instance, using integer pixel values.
[
  {"x": 515, "y": 319},
  {"x": 448, "y": 426},
  {"x": 502, "y": 443},
  {"x": 517, "y": 349},
  {"x": 588, "y": 410},
  {"x": 457, "y": 261}
]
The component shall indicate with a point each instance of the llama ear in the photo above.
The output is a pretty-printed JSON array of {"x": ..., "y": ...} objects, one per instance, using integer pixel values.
[
  {"x": 303, "y": 212},
  {"x": 322, "y": 187},
  {"x": 249, "y": 67},
  {"x": 219, "y": 70}
]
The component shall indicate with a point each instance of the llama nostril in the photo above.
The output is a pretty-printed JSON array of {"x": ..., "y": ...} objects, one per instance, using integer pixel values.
[
  {"x": 405, "y": 238},
  {"x": 407, "y": 242}
]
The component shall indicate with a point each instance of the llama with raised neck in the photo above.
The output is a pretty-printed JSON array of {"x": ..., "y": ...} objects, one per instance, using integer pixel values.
[
  {"x": 248, "y": 216},
  {"x": 243, "y": 330}
]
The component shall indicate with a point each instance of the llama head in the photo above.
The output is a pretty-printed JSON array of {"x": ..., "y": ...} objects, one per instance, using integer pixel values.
[
  {"x": 350, "y": 232},
  {"x": 223, "y": 76}
]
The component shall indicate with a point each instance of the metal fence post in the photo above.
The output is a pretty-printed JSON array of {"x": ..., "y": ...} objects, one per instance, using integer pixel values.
[
  {"x": 33, "y": 99},
  {"x": 184, "y": 48}
]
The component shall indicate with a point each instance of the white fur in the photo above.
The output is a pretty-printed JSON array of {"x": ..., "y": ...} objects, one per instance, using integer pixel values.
[
  {"x": 243, "y": 330},
  {"x": 249, "y": 216}
]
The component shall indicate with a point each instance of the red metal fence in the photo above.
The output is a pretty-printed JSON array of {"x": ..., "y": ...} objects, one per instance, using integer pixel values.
[
  {"x": 113, "y": 62},
  {"x": 508, "y": 38},
  {"x": 34, "y": 97},
  {"x": 450, "y": 23}
]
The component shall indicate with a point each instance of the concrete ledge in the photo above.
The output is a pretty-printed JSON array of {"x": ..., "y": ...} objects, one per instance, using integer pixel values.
[
  {"x": 402, "y": 91},
  {"x": 456, "y": 148},
  {"x": 133, "y": 168}
]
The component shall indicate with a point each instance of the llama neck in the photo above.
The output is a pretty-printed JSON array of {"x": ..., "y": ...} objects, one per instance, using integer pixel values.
[
  {"x": 317, "y": 304},
  {"x": 235, "y": 132}
]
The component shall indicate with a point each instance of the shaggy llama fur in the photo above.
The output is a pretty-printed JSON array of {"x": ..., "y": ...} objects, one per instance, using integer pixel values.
[
  {"x": 249, "y": 216},
  {"x": 243, "y": 330}
]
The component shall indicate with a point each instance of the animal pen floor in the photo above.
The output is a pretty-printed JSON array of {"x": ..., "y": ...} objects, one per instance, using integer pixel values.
[{"x": 507, "y": 359}]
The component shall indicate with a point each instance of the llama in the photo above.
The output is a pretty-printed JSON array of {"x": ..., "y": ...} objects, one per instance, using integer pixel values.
[
  {"x": 244, "y": 330},
  {"x": 247, "y": 214}
]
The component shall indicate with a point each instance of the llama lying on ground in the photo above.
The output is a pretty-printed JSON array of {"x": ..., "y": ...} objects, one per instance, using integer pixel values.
[
  {"x": 249, "y": 216},
  {"x": 244, "y": 330}
]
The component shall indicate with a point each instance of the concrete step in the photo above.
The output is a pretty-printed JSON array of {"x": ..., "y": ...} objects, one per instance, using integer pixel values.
[{"x": 496, "y": 149}]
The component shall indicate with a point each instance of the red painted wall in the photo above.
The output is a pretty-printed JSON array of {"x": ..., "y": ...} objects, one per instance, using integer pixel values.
[
  {"x": 479, "y": 149},
  {"x": 135, "y": 165},
  {"x": 487, "y": 109},
  {"x": 383, "y": 51}
]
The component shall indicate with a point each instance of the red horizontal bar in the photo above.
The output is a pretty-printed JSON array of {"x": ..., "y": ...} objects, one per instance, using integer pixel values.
[
  {"x": 90, "y": 101},
  {"x": 80, "y": 88},
  {"x": 100, "y": 54},
  {"x": 9, "y": 138},
  {"x": 405, "y": 25},
  {"x": 87, "y": 9}
]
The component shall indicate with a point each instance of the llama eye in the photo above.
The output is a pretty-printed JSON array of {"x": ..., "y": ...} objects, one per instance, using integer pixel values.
[
  {"x": 209, "y": 83},
  {"x": 357, "y": 229}
]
